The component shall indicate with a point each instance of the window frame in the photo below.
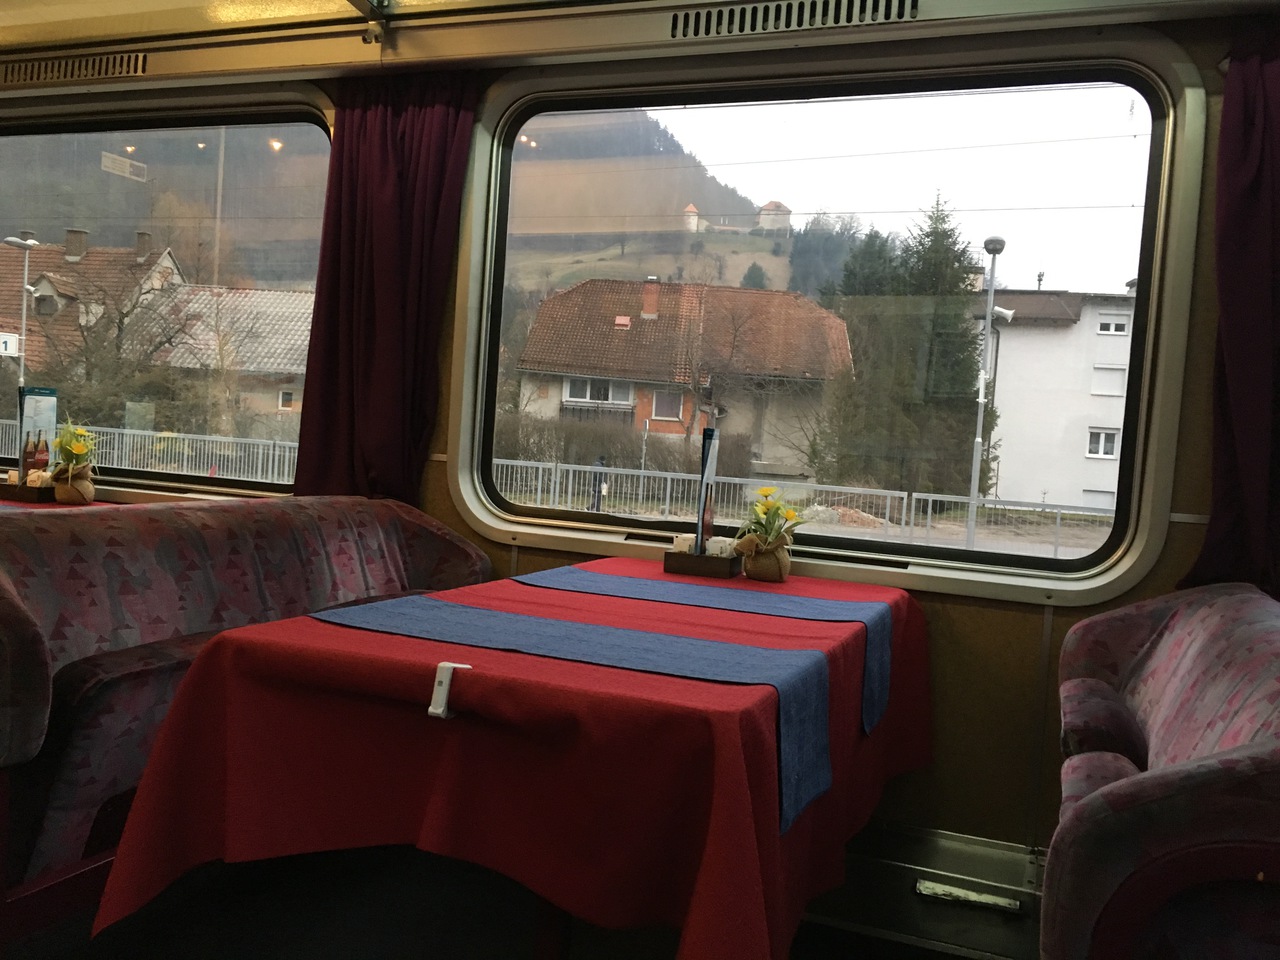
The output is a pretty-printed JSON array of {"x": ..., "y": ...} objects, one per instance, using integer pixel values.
[
  {"x": 1142, "y": 59},
  {"x": 679, "y": 403},
  {"x": 1113, "y": 434},
  {"x": 592, "y": 383},
  {"x": 1121, "y": 368}
]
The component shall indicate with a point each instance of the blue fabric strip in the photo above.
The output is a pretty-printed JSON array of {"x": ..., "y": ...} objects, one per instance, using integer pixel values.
[
  {"x": 875, "y": 615},
  {"x": 799, "y": 676}
]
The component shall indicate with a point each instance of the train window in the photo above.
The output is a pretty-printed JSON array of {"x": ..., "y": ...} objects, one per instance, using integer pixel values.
[
  {"x": 877, "y": 269},
  {"x": 887, "y": 302},
  {"x": 170, "y": 288}
]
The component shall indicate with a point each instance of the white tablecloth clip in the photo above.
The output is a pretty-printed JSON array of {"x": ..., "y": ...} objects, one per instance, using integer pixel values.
[{"x": 440, "y": 694}]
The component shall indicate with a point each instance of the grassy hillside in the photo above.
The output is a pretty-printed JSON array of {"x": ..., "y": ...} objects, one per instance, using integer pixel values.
[{"x": 547, "y": 270}]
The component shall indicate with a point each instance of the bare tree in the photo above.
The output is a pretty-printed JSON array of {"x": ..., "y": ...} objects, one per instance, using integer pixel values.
[{"x": 108, "y": 342}]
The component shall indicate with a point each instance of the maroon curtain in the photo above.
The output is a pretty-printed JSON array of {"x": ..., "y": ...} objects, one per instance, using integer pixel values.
[
  {"x": 400, "y": 151},
  {"x": 1243, "y": 536}
]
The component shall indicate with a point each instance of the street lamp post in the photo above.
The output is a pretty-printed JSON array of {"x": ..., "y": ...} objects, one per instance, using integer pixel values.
[
  {"x": 25, "y": 246},
  {"x": 993, "y": 246}
]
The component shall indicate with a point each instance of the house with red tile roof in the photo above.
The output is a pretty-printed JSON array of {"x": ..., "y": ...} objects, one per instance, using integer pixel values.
[
  {"x": 775, "y": 217},
  {"x": 75, "y": 285},
  {"x": 253, "y": 342},
  {"x": 673, "y": 354}
]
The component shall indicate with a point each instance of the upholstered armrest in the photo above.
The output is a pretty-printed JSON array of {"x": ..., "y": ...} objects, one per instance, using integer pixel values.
[
  {"x": 1130, "y": 846},
  {"x": 439, "y": 558},
  {"x": 1096, "y": 718},
  {"x": 24, "y": 678},
  {"x": 106, "y": 712}
]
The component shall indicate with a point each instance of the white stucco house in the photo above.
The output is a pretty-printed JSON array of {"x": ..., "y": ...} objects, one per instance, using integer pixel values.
[
  {"x": 1067, "y": 353},
  {"x": 775, "y": 218}
]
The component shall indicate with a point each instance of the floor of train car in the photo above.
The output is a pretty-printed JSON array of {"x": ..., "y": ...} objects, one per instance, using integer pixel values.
[{"x": 393, "y": 903}]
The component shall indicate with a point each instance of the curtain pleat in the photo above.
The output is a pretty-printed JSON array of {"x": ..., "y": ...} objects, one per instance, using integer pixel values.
[
  {"x": 400, "y": 151},
  {"x": 1243, "y": 535}
]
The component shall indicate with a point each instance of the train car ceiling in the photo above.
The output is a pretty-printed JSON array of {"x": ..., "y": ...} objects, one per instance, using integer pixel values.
[{"x": 316, "y": 36}]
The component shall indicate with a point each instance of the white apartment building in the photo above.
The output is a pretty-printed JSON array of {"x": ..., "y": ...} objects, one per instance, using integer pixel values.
[{"x": 1061, "y": 366}]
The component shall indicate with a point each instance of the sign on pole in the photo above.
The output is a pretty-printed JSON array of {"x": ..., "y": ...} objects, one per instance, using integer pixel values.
[
  {"x": 39, "y": 413},
  {"x": 124, "y": 167},
  {"x": 10, "y": 345}
]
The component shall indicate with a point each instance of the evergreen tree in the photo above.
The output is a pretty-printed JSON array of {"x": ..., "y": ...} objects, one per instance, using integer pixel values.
[
  {"x": 906, "y": 420},
  {"x": 873, "y": 268},
  {"x": 935, "y": 259},
  {"x": 755, "y": 278},
  {"x": 818, "y": 253}
]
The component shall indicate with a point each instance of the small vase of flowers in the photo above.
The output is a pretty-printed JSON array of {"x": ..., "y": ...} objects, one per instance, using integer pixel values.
[
  {"x": 764, "y": 539},
  {"x": 73, "y": 474}
]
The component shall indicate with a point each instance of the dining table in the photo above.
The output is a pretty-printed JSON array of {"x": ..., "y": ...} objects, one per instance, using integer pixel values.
[{"x": 637, "y": 747}]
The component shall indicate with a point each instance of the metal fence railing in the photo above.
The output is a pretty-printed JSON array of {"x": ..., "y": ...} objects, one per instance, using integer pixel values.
[
  {"x": 650, "y": 493},
  {"x": 1011, "y": 526},
  {"x": 230, "y": 458},
  {"x": 1029, "y": 529}
]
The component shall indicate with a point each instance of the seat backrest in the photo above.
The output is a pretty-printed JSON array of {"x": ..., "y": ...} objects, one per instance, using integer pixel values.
[
  {"x": 1211, "y": 680},
  {"x": 1197, "y": 668},
  {"x": 114, "y": 576}
]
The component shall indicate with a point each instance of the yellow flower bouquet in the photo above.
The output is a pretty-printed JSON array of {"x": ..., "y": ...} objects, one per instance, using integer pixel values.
[
  {"x": 765, "y": 535},
  {"x": 73, "y": 448}
]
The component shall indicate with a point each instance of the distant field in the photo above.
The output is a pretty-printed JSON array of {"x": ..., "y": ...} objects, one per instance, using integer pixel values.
[{"x": 556, "y": 269}]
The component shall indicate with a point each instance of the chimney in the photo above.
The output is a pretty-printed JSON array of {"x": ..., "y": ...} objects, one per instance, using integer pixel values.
[
  {"x": 77, "y": 244},
  {"x": 649, "y": 299},
  {"x": 27, "y": 234},
  {"x": 144, "y": 245}
]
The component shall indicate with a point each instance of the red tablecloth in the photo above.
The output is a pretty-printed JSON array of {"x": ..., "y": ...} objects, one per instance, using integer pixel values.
[{"x": 625, "y": 798}]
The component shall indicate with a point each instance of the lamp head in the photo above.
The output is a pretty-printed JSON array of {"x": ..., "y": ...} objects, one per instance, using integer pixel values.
[
  {"x": 20, "y": 243},
  {"x": 993, "y": 245}
]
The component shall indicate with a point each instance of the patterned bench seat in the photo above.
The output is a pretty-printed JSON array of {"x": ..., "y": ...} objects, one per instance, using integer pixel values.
[{"x": 103, "y": 608}]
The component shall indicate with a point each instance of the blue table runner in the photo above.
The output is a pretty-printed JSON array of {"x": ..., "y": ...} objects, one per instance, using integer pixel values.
[
  {"x": 875, "y": 615},
  {"x": 799, "y": 676}
]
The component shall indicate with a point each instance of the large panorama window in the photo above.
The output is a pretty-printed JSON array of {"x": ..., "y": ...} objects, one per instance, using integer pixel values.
[
  {"x": 170, "y": 291},
  {"x": 833, "y": 283}
]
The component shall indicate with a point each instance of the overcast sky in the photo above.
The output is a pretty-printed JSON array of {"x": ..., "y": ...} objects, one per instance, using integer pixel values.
[{"x": 1059, "y": 173}]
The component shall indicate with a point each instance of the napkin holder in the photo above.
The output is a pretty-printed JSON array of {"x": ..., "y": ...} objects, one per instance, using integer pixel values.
[
  {"x": 719, "y": 560},
  {"x": 21, "y": 493}
]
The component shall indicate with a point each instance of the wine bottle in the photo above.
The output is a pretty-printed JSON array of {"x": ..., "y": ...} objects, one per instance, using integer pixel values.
[
  {"x": 28, "y": 459},
  {"x": 41, "y": 457}
]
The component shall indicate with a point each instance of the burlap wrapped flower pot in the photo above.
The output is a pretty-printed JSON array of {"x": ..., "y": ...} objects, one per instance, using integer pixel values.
[{"x": 767, "y": 562}]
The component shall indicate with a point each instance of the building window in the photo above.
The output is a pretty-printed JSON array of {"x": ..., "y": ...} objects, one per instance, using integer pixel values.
[
  {"x": 189, "y": 250},
  {"x": 1104, "y": 442},
  {"x": 1115, "y": 326},
  {"x": 597, "y": 391},
  {"x": 668, "y": 404},
  {"x": 1099, "y": 499},
  {"x": 1108, "y": 380}
]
